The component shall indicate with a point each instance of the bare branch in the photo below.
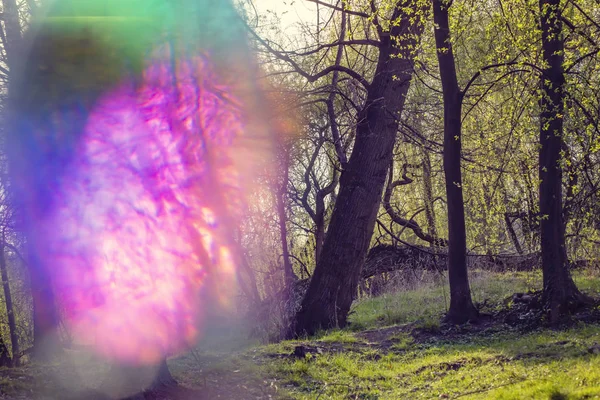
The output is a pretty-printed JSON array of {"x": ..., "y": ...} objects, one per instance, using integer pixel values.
[
  {"x": 408, "y": 223},
  {"x": 336, "y": 8},
  {"x": 335, "y": 133},
  {"x": 311, "y": 78}
]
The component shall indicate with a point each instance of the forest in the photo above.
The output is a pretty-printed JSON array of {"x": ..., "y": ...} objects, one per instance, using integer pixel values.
[{"x": 308, "y": 199}]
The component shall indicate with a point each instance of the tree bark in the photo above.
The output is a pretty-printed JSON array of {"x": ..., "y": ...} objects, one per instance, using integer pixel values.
[
  {"x": 163, "y": 379},
  {"x": 10, "y": 310},
  {"x": 335, "y": 280},
  {"x": 560, "y": 293},
  {"x": 461, "y": 306},
  {"x": 429, "y": 205},
  {"x": 290, "y": 277},
  {"x": 320, "y": 211},
  {"x": 512, "y": 233}
]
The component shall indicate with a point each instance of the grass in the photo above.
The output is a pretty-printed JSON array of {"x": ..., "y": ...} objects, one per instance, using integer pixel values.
[
  {"x": 431, "y": 299},
  {"x": 510, "y": 364},
  {"x": 379, "y": 357}
]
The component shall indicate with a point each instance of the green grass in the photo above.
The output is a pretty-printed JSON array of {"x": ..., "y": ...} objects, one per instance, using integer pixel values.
[
  {"x": 336, "y": 336},
  {"x": 431, "y": 300},
  {"x": 386, "y": 364},
  {"x": 508, "y": 366},
  {"x": 546, "y": 364}
]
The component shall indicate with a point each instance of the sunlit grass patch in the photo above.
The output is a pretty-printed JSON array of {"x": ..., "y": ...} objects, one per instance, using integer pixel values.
[
  {"x": 336, "y": 336},
  {"x": 506, "y": 366}
]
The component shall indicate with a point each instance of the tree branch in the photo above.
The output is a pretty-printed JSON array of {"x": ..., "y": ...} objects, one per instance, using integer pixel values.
[
  {"x": 336, "y": 8},
  {"x": 415, "y": 227},
  {"x": 311, "y": 78}
]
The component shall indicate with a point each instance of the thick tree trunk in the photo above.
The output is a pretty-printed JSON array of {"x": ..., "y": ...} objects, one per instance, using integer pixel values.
[
  {"x": 320, "y": 211},
  {"x": 461, "y": 306},
  {"x": 319, "y": 235},
  {"x": 560, "y": 292},
  {"x": 10, "y": 310},
  {"x": 335, "y": 280},
  {"x": 163, "y": 379}
]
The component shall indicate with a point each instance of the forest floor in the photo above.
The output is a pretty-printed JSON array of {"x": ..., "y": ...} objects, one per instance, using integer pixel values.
[{"x": 394, "y": 348}]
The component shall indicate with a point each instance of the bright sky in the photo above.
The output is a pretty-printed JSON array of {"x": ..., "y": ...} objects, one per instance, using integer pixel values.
[{"x": 290, "y": 11}]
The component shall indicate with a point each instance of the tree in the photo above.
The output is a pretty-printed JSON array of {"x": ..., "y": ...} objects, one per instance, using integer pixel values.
[
  {"x": 10, "y": 309},
  {"x": 461, "y": 306},
  {"x": 560, "y": 293},
  {"x": 334, "y": 283}
]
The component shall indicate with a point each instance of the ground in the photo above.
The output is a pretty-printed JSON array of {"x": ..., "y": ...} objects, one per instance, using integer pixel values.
[{"x": 394, "y": 348}]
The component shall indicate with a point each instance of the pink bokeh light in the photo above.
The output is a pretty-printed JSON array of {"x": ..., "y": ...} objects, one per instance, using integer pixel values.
[{"x": 144, "y": 211}]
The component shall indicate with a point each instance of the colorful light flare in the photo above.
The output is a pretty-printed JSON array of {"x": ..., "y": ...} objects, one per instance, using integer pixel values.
[{"x": 141, "y": 210}]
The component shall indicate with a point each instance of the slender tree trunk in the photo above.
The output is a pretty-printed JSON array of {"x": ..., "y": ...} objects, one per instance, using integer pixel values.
[
  {"x": 461, "y": 306},
  {"x": 288, "y": 271},
  {"x": 512, "y": 233},
  {"x": 335, "y": 280},
  {"x": 560, "y": 293},
  {"x": 10, "y": 310},
  {"x": 429, "y": 206}
]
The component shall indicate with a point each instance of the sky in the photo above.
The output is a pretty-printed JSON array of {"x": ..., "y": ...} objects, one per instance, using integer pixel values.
[{"x": 290, "y": 11}]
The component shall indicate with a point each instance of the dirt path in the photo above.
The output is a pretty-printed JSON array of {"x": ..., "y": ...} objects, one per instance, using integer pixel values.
[{"x": 200, "y": 377}]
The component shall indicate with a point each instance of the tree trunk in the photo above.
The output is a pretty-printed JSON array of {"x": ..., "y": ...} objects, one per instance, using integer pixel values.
[
  {"x": 163, "y": 379},
  {"x": 320, "y": 211},
  {"x": 5, "y": 360},
  {"x": 560, "y": 293},
  {"x": 10, "y": 311},
  {"x": 289, "y": 275},
  {"x": 513, "y": 235},
  {"x": 335, "y": 280},
  {"x": 428, "y": 192},
  {"x": 461, "y": 306},
  {"x": 319, "y": 235}
]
